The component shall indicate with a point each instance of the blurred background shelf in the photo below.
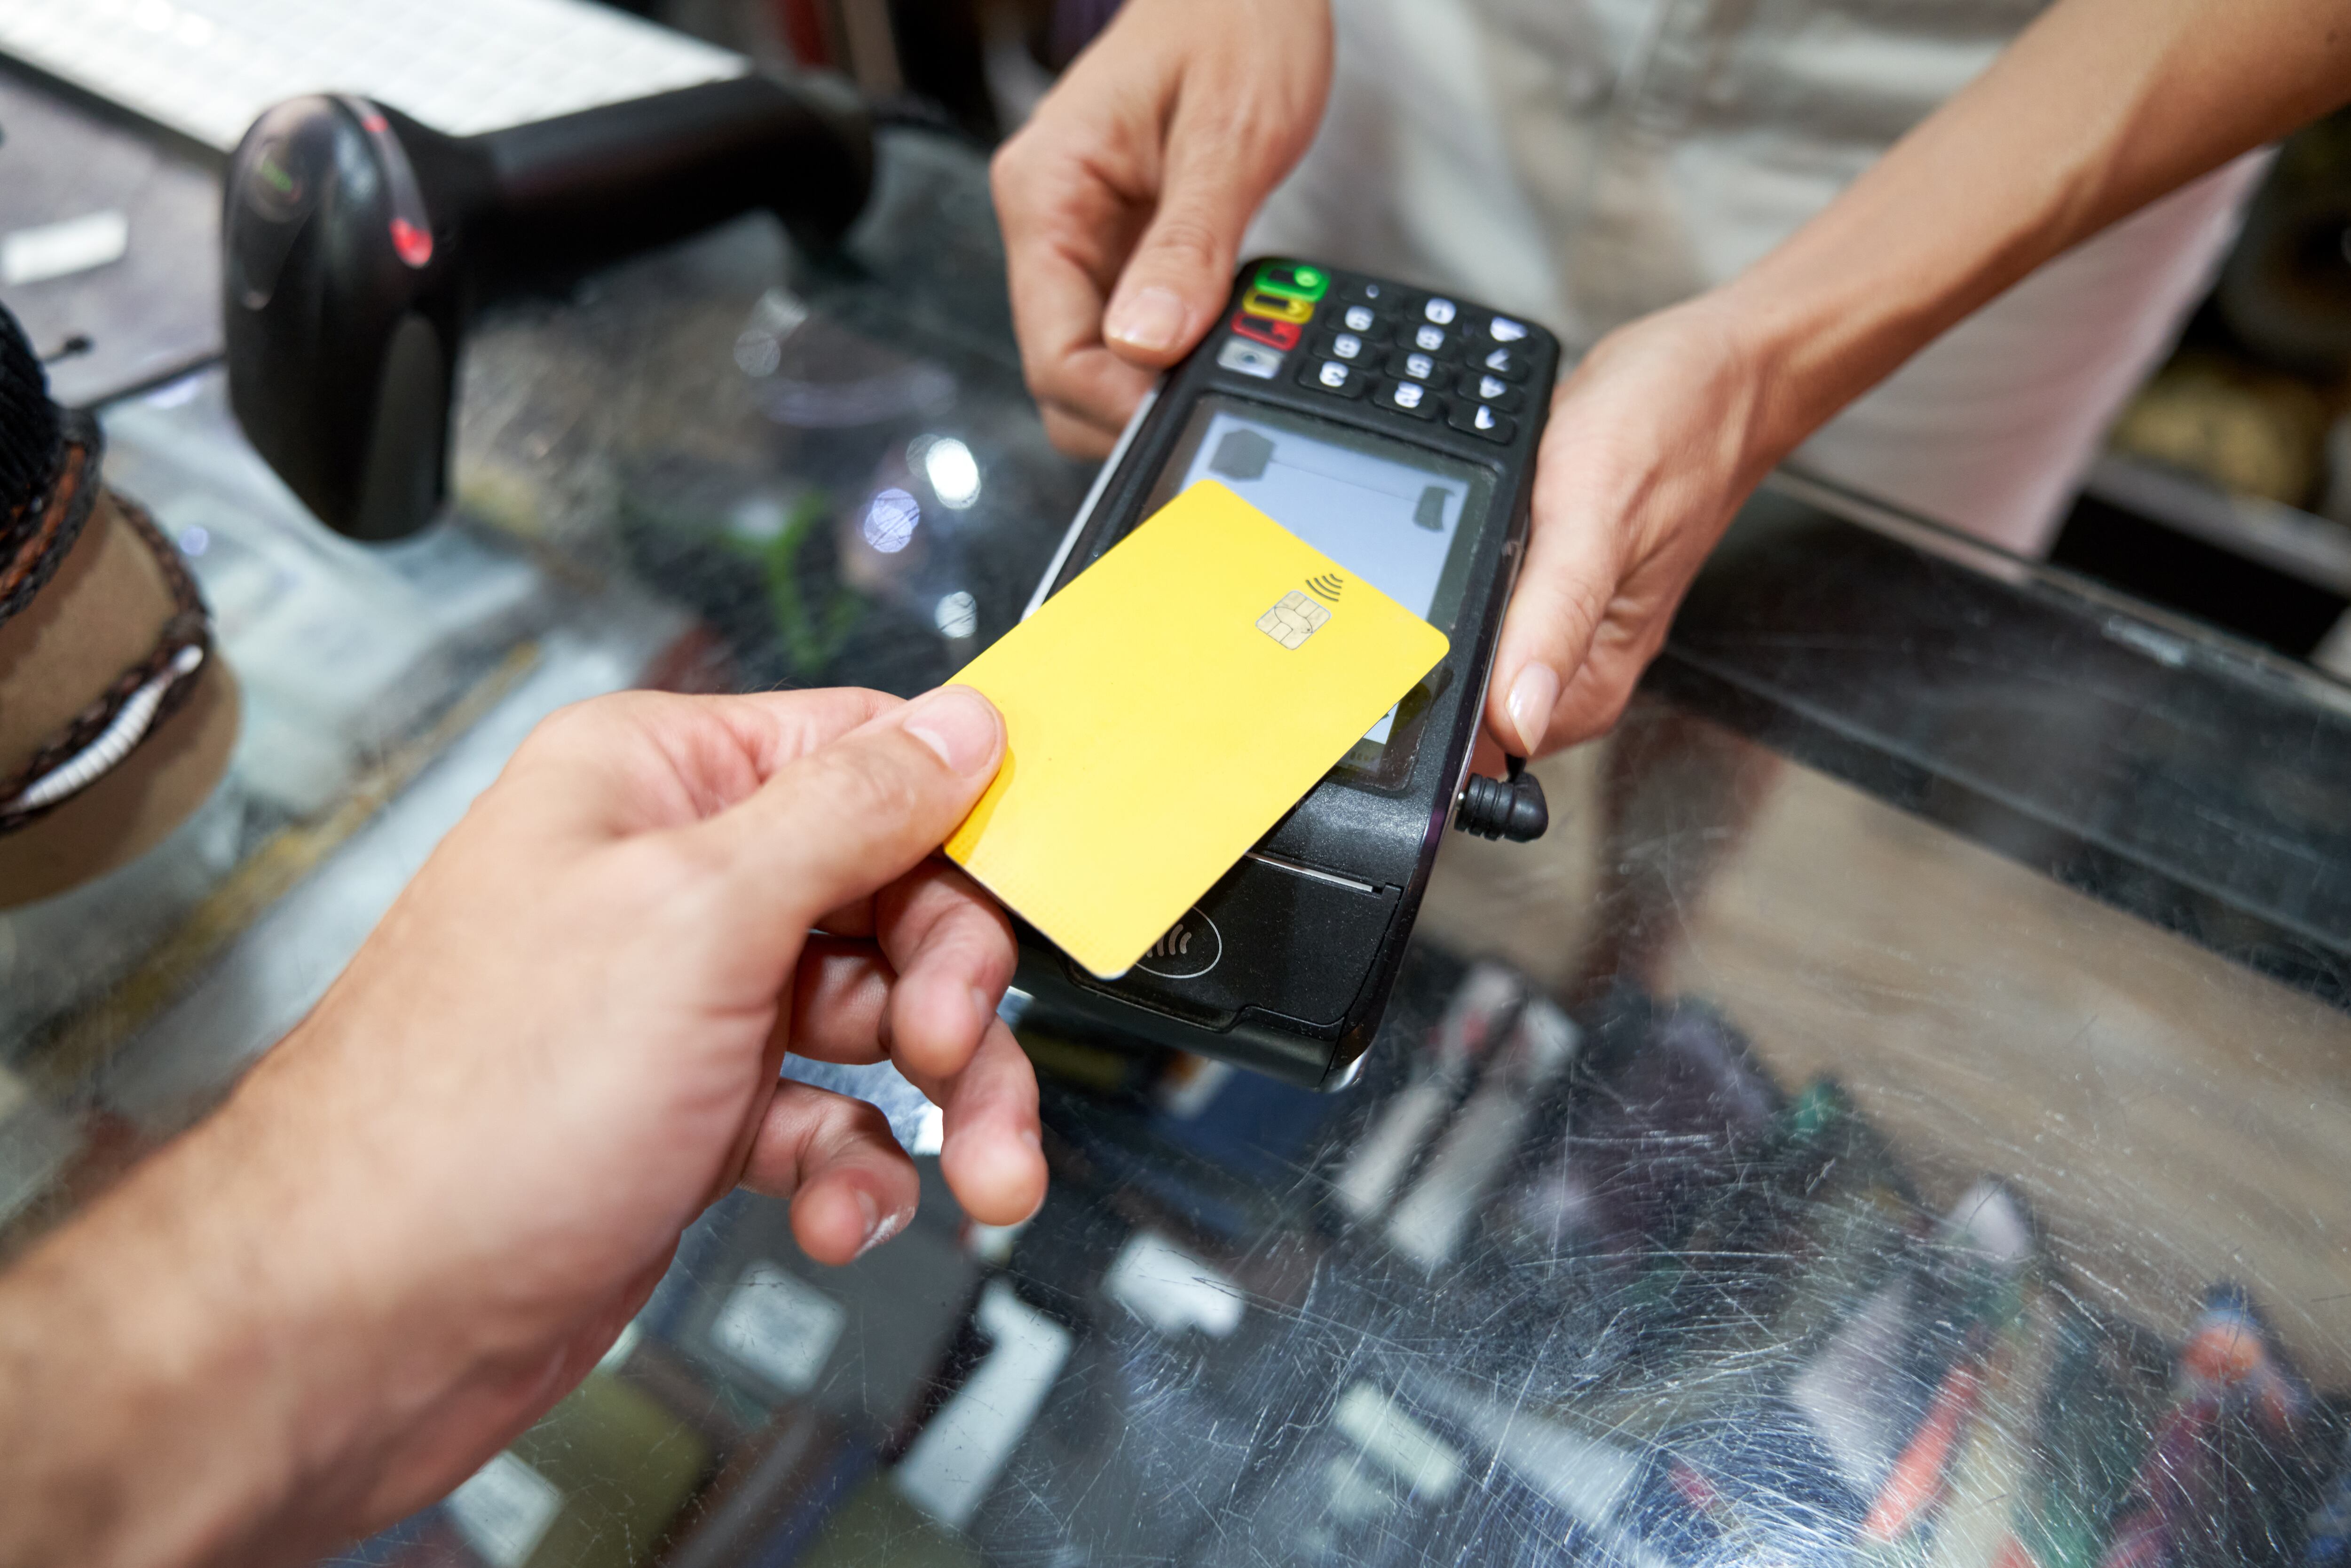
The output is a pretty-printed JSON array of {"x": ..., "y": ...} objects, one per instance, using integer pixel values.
[{"x": 2263, "y": 570}]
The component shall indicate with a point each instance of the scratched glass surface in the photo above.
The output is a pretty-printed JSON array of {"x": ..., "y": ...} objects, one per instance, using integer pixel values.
[
  {"x": 1750, "y": 1173},
  {"x": 1900, "y": 1114}
]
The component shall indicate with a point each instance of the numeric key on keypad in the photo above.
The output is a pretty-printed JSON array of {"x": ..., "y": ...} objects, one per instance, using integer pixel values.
[
  {"x": 1489, "y": 388},
  {"x": 1477, "y": 419},
  {"x": 1346, "y": 346},
  {"x": 1508, "y": 362},
  {"x": 1410, "y": 397},
  {"x": 1431, "y": 340},
  {"x": 1363, "y": 321},
  {"x": 1411, "y": 366},
  {"x": 1333, "y": 376}
]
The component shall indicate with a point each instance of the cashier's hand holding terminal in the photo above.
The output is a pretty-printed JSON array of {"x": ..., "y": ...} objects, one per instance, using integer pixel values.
[
  {"x": 423, "y": 1216},
  {"x": 1125, "y": 199}
]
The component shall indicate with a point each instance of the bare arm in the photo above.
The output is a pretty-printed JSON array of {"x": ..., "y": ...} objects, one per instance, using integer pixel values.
[
  {"x": 142, "y": 1358},
  {"x": 2097, "y": 108}
]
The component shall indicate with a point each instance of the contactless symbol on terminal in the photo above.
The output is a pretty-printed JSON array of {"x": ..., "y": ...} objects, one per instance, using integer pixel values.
[{"x": 1189, "y": 950}]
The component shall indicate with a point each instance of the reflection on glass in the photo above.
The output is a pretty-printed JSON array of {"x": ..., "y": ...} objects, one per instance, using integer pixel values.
[
  {"x": 890, "y": 520},
  {"x": 757, "y": 352},
  {"x": 958, "y": 614},
  {"x": 953, "y": 471}
]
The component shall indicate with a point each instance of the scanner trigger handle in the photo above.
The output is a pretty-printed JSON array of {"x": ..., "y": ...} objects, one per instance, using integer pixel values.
[{"x": 1512, "y": 806}]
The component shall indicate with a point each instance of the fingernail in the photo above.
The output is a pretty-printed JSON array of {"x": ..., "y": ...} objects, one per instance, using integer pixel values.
[
  {"x": 958, "y": 724},
  {"x": 1151, "y": 319},
  {"x": 878, "y": 1230},
  {"x": 1532, "y": 696},
  {"x": 871, "y": 1213}
]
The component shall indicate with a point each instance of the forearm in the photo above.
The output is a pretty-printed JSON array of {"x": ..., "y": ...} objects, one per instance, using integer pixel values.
[
  {"x": 188, "y": 1368},
  {"x": 110, "y": 1343},
  {"x": 2096, "y": 110}
]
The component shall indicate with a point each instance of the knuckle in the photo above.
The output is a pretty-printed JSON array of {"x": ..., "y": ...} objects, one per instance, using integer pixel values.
[
  {"x": 1009, "y": 170},
  {"x": 1583, "y": 610},
  {"x": 583, "y": 728},
  {"x": 1189, "y": 240},
  {"x": 1051, "y": 382},
  {"x": 578, "y": 720},
  {"x": 1240, "y": 116},
  {"x": 1565, "y": 620},
  {"x": 971, "y": 935},
  {"x": 1255, "y": 130},
  {"x": 884, "y": 779},
  {"x": 848, "y": 1122}
]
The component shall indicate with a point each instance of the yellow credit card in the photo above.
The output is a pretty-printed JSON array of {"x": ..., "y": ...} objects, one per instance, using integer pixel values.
[{"x": 1165, "y": 709}]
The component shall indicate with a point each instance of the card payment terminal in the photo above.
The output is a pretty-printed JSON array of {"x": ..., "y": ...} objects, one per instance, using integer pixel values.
[{"x": 1395, "y": 430}]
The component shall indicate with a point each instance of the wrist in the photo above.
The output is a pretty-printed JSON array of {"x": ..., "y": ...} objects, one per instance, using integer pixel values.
[
  {"x": 146, "y": 1364},
  {"x": 1804, "y": 351},
  {"x": 382, "y": 1318},
  {"x": 207, "y": 1366},
  {"x": 1733, "y": 356}
]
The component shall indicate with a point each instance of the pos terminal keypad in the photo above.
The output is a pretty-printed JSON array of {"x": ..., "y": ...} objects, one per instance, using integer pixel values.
[{"x": 1421, "y": 357}]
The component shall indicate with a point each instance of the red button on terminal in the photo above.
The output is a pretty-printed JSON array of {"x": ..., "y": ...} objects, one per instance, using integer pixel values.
[{"x": 1282, "y": 335}]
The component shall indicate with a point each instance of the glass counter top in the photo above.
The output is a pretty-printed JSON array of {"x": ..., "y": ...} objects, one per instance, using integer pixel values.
[{"x": 1900, "y": 1114}]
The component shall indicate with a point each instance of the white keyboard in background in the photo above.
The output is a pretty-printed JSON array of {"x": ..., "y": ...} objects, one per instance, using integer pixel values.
[{"x": 208, "y": 67}]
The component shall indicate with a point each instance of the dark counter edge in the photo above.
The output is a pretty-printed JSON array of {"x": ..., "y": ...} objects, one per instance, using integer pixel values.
[{"x": 2011, "y": 813}]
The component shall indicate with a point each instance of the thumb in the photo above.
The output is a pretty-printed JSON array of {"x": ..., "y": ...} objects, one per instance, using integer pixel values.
[
  {"x": 1555, "y": 615},
  {"x": 1175, "y": 284},
  {"x": 848, "y": 818}
]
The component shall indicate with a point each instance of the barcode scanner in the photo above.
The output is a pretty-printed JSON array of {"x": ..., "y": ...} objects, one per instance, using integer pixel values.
[{"x": 359, "y": 242}]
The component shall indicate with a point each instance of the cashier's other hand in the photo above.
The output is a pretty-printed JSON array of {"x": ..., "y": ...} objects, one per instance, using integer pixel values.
[
  {"x": 1124, "y": 199},
  {"x": 1653, "y": 440}
]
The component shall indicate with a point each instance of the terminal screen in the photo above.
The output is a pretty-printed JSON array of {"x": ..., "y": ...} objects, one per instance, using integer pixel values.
[
  {"x": 1402, "y": 519},
  {"x": 1389, "y": 513}
]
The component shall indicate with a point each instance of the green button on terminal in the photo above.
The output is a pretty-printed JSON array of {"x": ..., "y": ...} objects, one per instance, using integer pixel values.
[{"x": 1293, "y": 280}]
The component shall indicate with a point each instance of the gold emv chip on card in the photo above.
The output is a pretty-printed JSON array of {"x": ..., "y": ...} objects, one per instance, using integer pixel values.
[
  {"x": 1160, "y": 719},
  {"x": 1292, "y": 621}
]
